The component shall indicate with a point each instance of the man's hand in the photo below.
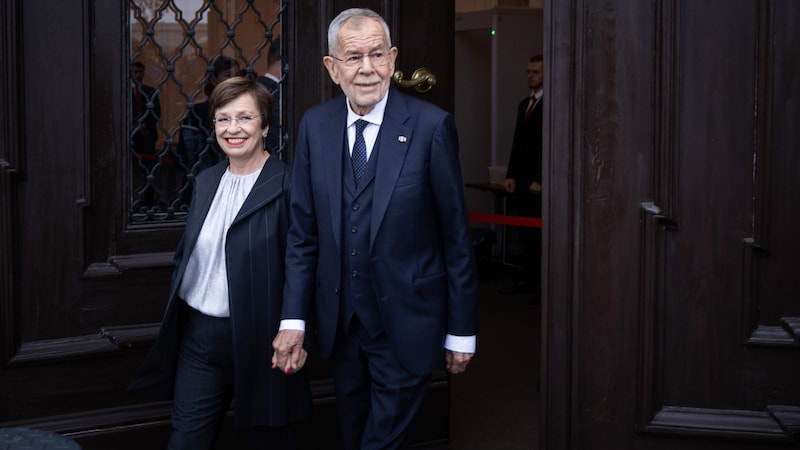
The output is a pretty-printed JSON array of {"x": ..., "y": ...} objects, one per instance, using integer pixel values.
[
  {"x": 289, "y": 356},
  {"x": 510, "y": 185},
  {"x": 535, "y": 188},
  {"x": 456, "y": 362}
]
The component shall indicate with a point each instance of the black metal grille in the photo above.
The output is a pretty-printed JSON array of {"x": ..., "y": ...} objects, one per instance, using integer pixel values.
[{"x": 179, "y": 50}]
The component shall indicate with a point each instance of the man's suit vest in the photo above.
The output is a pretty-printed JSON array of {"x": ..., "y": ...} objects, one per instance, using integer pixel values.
[{"x": 358, "y": 293}]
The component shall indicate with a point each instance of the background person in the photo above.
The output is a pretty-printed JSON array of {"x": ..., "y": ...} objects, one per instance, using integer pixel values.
[
  {"x": 524, "y": 179},
  {"x": 145, "y": 121},
  {"x": 196, "y": 128},
  {"x": 144, "y": 136}
]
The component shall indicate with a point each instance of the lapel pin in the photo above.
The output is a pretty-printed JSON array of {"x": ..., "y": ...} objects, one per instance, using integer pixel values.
[{"x": 401, "y": 138}]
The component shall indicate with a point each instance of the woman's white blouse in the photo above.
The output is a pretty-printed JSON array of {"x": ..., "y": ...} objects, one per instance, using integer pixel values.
[{"x": 205, "y": 283}]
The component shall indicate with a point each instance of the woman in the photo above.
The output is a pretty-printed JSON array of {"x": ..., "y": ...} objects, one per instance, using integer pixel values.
[{"x": 225, "y": 296}]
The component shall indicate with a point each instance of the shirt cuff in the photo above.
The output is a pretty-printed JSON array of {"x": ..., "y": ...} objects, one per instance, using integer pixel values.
[
  {"x": 292, "y": 324},
  {"x": 461, "y": 344}
]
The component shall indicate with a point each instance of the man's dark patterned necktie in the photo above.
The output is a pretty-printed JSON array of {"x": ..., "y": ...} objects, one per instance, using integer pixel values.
[{"x": 359, "y": 156}]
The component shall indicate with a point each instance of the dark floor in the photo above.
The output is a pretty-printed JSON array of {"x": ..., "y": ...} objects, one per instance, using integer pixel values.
[{"x": 495, "y": 403}]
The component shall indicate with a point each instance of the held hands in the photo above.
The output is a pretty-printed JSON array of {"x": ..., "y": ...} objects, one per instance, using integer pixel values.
[
  {"x": 456, "y": 362},
  {"x": 289, "y": 356}
]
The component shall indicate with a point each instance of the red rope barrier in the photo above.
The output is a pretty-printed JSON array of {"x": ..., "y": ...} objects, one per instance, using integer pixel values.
[{"x": 533, "y": 222}]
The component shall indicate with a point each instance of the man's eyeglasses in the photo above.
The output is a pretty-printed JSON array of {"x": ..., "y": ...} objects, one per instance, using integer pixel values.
[
  {"x": 224, "y": 122},
  {"x": 377, "y": 59}
]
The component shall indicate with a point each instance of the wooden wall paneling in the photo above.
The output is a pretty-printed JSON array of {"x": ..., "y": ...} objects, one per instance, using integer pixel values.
[
  {"x": 773, "y": 288},
  {"x": 53, "y": 142},
  {"x": 103, "y": 216},
  {"x": 701, "y": 172},
  {"x": 658, "y": 218},
  {"x": 59, "y": 358},
  {"x": 616, "y": 144},
  {"x": 695, "y": 298},
  {"x": 11, "y": 168},
  {"x": 560, "y": 141},
  {"x": 714, "y": 154},
  {"x": 775, "y": 198}
]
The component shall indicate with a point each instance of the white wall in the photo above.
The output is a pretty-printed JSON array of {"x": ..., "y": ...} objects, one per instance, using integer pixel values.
[{"x": 473, "y": 110}]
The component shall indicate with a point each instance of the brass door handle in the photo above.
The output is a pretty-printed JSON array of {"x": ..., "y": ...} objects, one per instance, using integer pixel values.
[{"x": 422, "y": 80}]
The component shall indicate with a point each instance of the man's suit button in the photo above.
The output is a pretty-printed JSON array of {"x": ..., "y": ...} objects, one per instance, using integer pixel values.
[
  {"x": 354, "y": 252},
  {"x": 355, "y": 274},
  {"x": 354, "y": 230},
  {"x": 355, "y": 206}
]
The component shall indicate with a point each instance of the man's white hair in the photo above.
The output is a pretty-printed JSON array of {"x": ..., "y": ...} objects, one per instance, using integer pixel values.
[{"x": 357, "y": 15}]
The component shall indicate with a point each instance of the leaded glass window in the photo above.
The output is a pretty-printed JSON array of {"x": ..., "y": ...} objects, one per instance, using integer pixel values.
[{"x": 180, "y": 50}]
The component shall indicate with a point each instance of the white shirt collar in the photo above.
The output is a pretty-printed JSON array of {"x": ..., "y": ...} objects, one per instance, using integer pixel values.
[{"x": 375, "y": 116}]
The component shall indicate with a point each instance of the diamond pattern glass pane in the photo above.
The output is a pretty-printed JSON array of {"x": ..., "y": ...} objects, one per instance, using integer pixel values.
[{"x": 179, "y": 50}]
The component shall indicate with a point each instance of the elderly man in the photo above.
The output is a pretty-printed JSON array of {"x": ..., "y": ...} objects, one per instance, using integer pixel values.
[{"x": 379, "y": 241}]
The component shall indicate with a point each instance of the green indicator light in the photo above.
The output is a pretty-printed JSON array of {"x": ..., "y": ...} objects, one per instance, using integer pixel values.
[{"x": 494, "y": 32}]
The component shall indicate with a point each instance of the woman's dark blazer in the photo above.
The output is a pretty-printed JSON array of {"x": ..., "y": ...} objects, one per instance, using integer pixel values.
[{"x": 254, "y": 255}]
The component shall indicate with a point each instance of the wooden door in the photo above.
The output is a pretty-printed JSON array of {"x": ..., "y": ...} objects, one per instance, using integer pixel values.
[{"x": 672, "y": 302}]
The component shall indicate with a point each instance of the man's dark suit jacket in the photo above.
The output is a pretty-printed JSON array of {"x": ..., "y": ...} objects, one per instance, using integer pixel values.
[
  {"x": 420, "y": 246},
  {"x": 525, "y": 161}
]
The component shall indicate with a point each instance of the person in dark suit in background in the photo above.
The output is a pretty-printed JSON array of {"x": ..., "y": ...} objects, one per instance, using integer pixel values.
[
  {"x": 196, "y": 127},
  {"x": 271, "y": 80},
  {"x": 379, "y": 241},
  {"x": 145, "y": 120},
  {"x": 224, "y": 301},
  {"x": 144, "y": 136},
  {"x": 524, "y": 178}
]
